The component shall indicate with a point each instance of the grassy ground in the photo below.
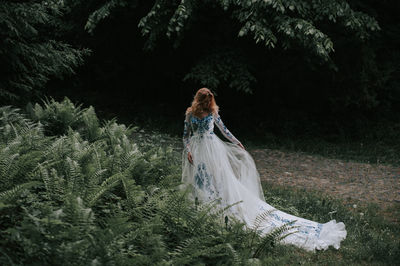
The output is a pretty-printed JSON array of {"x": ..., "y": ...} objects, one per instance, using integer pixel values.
[
  {"x": 371, "y": 240},
  {"x": 356, "y": 150}
]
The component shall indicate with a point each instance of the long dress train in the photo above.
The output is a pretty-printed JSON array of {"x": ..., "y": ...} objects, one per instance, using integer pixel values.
[{"x": 225, "y": 172}]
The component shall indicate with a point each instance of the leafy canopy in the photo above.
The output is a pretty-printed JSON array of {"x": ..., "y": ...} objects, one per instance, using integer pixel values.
[
  {"x": 31, "y": 47},
  {"x": 272, "y": 23}
]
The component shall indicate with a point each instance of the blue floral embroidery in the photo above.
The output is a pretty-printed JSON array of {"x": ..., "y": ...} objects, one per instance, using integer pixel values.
[
  {"x": 274, "y": 215},
  {"x": 201, "y": 125},
  {"x": 278, "y": 218},
  {"x": 202, "y": 178},
  {"x": 318, "y": 230},
  {"x": 310, "y": 228},
  {"x": 306, "y": 229},
  {"x": 303, "y": 230}
]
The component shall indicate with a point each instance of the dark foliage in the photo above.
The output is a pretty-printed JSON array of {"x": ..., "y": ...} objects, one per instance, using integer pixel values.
[
  {"x": 32, "y": 49},
  {"x": 329, "y": 61}
]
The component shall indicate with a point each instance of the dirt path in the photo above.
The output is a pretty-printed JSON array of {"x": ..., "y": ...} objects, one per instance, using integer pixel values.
[{"x": 346, "y": 180}]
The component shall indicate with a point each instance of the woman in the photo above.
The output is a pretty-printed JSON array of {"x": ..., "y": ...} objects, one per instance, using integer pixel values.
[{"x": 225, "y": 172}]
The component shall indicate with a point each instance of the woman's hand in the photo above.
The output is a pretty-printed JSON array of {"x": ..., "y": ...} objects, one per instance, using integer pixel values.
[
  {"x": 190, "y": 158},
  {"x": 241, "y": 146}
]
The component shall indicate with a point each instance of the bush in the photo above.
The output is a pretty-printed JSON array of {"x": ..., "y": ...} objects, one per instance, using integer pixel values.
[{"x": 74, "y": 192}]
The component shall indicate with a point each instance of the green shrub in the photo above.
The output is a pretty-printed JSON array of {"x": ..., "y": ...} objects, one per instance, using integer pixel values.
[{"x": 76, "y": 192}]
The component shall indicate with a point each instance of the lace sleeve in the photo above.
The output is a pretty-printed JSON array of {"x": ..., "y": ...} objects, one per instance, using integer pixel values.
[
  {"x": 186, "y": 133},
  {"x": 224, "y": 130}
]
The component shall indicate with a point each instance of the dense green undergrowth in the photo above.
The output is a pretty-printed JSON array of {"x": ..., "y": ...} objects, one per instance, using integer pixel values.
[{"x": 78, "y": 191}]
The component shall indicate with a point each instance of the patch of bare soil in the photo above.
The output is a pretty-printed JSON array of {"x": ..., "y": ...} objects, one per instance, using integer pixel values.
[{"x": 352, "y": 181}]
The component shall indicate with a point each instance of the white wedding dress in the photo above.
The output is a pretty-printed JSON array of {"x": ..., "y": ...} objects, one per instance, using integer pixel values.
[{"x": 225, "y": 172}]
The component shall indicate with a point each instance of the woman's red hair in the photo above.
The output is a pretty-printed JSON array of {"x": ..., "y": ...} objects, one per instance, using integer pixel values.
[{"x": 203, "y": 102}]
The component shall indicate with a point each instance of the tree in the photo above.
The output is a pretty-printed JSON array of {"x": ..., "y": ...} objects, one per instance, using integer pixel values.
[
  {"x": 31, "y": 48},
  {"x": 285, "y": 23}
]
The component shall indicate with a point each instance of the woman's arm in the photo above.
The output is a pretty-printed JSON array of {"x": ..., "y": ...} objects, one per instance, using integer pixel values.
[
  {"x": 186, "y": 132},
  {"x": 224, "y": 130}
]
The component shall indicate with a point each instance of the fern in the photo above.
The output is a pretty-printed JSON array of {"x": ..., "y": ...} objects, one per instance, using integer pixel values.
[
  {"x": 57, "y": 117},
  {"x": 95, "y": 178},
  {"x": 9, "y": 195},
  {"x": 91, "y": 129},
  {"x": 54, "y": 185},
  {"x": 180, "y": 249},
  {"x": 78, "y": 217},
  {"x": 74, "y": 177},
  {"x": 105, "y": 186},
  {"x": 7, "y": 165},
  {"x": 260, "y": 218},
  {"x": 235, "y": 255},
  {"x": 270, "y": 239},
  {"x": 134, "y": 196}
]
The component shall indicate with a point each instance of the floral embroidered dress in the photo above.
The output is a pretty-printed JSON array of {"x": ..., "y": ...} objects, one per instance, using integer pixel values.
[{"x": 225, "y": 172}]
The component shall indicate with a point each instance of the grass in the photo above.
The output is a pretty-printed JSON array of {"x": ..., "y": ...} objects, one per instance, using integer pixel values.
[
  {"x": 356, "y": 151},
  {"x": 371, "y": 239}
]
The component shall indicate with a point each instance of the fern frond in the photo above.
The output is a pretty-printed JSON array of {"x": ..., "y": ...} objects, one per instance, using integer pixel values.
[
  {"x": 180, "y": 249},
  {"x": 92, "y": 129},
  {"x": 15, "y": 192},
  {"x": 52, "y": 182},
  {"x": 135, "y": 196},
  {"x": 96, "y": 177},
  {"x": 260, "y": 218},
  {"x": 106, "y": 185},
  {"x": 127, "y": 159},
  {"x": 270, "y": 239},
  {"x": 235, "y": 255},
  {"x": 7, "y": 165},
  {"x": 11, "y": 116},
  {"x": 76, "y": 213},
  {"x": 75, "y": 180},
  {"x": 56, "y": 148}
]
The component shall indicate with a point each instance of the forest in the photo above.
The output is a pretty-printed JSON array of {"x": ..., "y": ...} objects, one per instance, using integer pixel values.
[{"x": 92, "y": 104}]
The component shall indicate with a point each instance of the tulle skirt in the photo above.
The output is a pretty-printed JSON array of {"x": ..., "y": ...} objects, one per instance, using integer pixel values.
[{"x": 225, "y": 173}]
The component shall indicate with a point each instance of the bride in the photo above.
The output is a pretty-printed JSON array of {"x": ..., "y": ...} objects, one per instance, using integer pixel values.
[{"x": 225, "y": 172}]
